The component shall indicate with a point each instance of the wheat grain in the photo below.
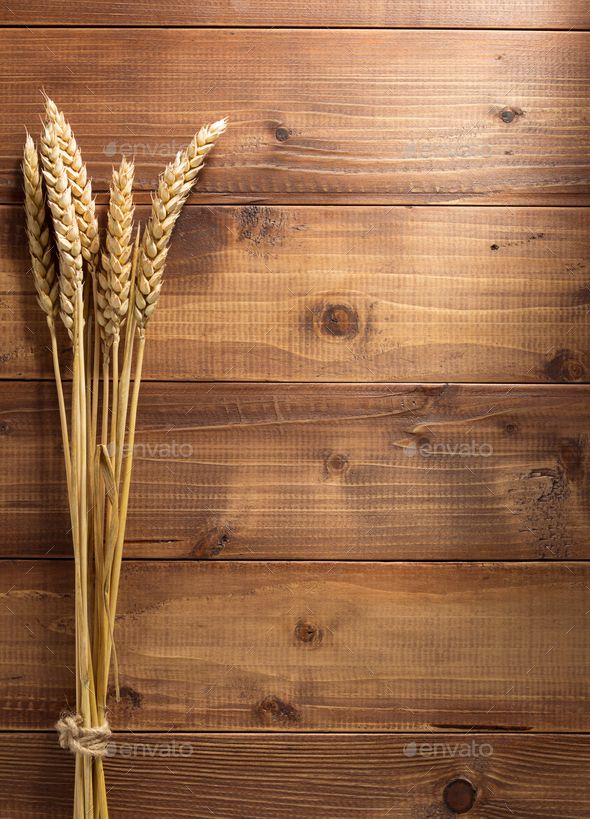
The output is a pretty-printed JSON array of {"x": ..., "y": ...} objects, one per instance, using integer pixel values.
[
  {"x": 80, "y": 184},
  {"x": 67, "y": 233},
  {"x": 114, "y": 278},
  {"x": 38, "y": 235},
  {"x": 174, "y": 187}
]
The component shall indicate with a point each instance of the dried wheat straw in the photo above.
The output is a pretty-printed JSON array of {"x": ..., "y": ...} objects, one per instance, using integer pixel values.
[
  {"x": 174, "y": 187},
  {"x": 44, "y": 274},
  {"x": 67, "y": 236},
  {"x": 96, "y": 480}
]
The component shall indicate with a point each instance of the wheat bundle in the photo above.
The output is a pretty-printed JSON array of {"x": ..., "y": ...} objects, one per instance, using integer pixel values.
[{"x": 105, "y": 298}]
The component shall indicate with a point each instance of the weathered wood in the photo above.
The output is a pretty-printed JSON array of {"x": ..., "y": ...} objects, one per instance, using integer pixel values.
[
  {"x": 305, "y": 646},
  {"x": 349, "y": 294},
  {"x": 298, "y": 777},
  {"x": 528, "y": 14},
  {"x": 348, "y": 115},
  {"x": 321, "y": 471}
]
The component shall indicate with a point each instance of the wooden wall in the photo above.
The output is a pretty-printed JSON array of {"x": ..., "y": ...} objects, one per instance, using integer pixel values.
[{"x": 356, "y": 579}]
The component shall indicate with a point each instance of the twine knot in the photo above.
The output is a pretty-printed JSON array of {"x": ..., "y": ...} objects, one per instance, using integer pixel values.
[{"x": 73, "y": 736}]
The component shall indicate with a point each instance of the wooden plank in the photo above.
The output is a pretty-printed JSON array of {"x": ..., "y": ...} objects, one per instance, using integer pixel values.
[
  {"x": 348, "y": 294},
  {"x": 321, "y": 471},
  {"x": 297, "y": 777},
  {"x": 319, "y": 115},
  {"x": 528, "y": 14},
  {"x": 313, "y": 646}
]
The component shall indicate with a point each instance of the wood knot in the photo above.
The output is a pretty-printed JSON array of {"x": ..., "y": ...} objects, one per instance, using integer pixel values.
[
  {"x": 213, "y": 542},
  {"x": 282, "y": 134},
  {"x": 308, "y": 633},
  {"x": 459, "y": 795},
  {"x": 128, "y": 696},
  {"x": 339, "y": 321},
  {"x": 565, "y": 367},
  {"x": 511, "y": 428},
  {"x": 335, "y": 463},
  {"x": 272, "y": 711},
  {"x": 508, "y": 114},
  {"x": 261, "y": 227},
  {"x": 571, "y": 453}
]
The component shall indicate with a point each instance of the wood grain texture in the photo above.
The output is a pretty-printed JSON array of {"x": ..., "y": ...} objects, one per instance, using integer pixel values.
[
  {"x": 318, "y": 115},
  {"x": 348, "y": 294},
  {"x": 528, "y": 14},
  {"x": 321, "y": 471},
  {"x": 305, "y": 646},
  {"x": 298, "y": 777}
]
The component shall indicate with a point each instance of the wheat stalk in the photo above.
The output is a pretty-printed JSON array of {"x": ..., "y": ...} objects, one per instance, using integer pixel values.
[
  {"x": 174, "y": 187},
  {"x": 71, "y": 278},
  {"x": 44, "y": 276},
  {"x": 126, "y": 284},
  {"x": 88, "y": 228}
]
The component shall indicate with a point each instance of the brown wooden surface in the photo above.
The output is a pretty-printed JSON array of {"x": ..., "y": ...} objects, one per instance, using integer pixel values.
[
  {"x": 348, "y": 294},
  {"x": 305, "y": 646},
  {"x": 297, "y": 777},
  {"x": 337, "y": 116},
  {"x": 301, "y": 262},
  {"x": 358, "y": 472},
  {"x": 528, "y": 14}
]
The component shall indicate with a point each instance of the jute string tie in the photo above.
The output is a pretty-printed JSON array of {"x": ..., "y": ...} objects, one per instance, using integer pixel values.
[{"x": 74, "y": 737}]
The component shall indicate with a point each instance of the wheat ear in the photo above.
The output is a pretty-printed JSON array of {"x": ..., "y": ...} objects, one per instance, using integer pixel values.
[
  {"x": 84, "y": 206},
  {"x": 44, "y": 275},
  {"x": 114, "y": 278},
  {"x": 67, "y": 234},
  {"x": 37, "y": 227},
  {"x": 174, "y": 187},
  {"x": 80, "y": 184}
]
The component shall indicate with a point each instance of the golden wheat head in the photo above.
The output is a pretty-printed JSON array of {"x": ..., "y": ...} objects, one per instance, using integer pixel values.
[
  {"x": 65, "y": 223},
  {"x": 80, "y": 184},
  {"x": 38, "y": 235},
  {"x": 174, "y": 187},
  {"x": 114, "y": 279}
]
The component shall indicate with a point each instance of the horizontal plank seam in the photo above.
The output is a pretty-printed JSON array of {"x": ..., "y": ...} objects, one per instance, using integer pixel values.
[
  {"x": 290, "y": 733},
  {"x": 549, "y": 561},
  {"x": 270, "y": 27},
  {"x": 384, "y": 383},
  {"x": 11, "y": 204},
  {"x": 143, "y": 198},
  {"x": 557, "y": 562},
  {"x": 509, "y": 384}
]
